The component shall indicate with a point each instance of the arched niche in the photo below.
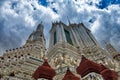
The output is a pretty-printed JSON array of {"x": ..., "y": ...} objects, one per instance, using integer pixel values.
[{"x": 93, "y": 76}]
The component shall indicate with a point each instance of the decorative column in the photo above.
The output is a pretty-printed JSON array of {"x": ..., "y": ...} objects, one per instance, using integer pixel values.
[
  {"x": 63, "y": 34},
  {"x": 75, "y": 38}
]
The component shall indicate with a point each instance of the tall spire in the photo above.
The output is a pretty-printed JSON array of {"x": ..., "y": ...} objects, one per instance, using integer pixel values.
[
  {"x": 37, "y": 35},
  {"x": 110, "y": 49},
  {"x": 105, "y": 42},
  {"x": 68, "y": 20},
  {"x": 40, "y": 27}
]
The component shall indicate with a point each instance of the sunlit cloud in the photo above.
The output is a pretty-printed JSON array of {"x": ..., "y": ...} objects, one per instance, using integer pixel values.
[{"x": 22, "y": 17}]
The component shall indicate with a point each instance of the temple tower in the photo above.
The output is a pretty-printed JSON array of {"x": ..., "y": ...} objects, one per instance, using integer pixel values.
[
  {"x": 68, "y": 43},
  {"x": 37, "y": 39},
  {"x": 37, "y": 36},
  {"x": 114, "y": 53},
  {"x": 76, "y": 35},
  {"x": 62, "y": 50},
  {"x": 20, "y": 63}
]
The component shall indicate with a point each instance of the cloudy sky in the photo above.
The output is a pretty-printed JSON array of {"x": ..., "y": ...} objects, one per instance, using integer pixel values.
[{"x": 18, "y": 18}]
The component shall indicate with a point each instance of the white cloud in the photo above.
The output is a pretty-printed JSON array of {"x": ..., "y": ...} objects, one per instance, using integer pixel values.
[
  {"x": 106, "y": 21},
  {"x": 17, "y": 16}
]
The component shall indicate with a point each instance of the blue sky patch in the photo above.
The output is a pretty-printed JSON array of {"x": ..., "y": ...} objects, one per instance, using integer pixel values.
[
  {"x": 106, "y": 3},
  {"x": 14, "y": 4},
  {"x": 43, "y": 2},
  {"x": 54, "y": 10}
]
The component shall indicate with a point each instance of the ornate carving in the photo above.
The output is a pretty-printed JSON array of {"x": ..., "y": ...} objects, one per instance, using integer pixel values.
[{"x": 64, "y": 60}]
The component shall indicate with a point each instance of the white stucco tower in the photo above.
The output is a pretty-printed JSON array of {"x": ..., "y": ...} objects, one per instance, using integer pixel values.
[
  {"x": 20, "y": 63},
  {"x": 68, "y": 43}
]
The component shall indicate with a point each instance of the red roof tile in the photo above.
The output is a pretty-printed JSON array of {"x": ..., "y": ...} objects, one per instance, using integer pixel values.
[
  {"x": 70, "y": 76},
  {"x": 87, "y": 66},
  {"x": 44, "y": 71}
]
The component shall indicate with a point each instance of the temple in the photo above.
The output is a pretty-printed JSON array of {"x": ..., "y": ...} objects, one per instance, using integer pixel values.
[{"x": 73, "y": 54}]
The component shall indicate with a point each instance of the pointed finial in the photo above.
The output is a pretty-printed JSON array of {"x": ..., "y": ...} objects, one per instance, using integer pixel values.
[
  {"x": 68, "y": 20},
  {"x": 41, "y": 22},
  {"x": 40, "y": 27},
  {"x": 83, "y": 57},
  {"x": 105, "y": 42},
  {"x": 68, "y": 68}
]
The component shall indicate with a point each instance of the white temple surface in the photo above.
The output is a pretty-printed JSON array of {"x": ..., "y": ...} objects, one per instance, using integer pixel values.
[{"x": 66, "y": 45}]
